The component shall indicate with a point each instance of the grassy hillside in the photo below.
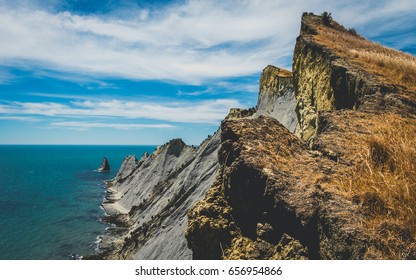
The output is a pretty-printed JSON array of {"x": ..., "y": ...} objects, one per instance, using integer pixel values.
[{"x": 382, "y": 179}]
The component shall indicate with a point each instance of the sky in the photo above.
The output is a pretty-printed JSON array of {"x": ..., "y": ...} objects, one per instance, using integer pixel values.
[{"x": 136, "y": 72}]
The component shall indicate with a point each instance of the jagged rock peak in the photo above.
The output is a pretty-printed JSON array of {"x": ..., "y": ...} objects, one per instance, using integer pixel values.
[
  {"x": 129, "y": 164},
  {"x": 145, "y": 155},
  {"x": 274, "y": 80},
  {"x": 276, "y": 96},
  {"x": 306, "y": 26},
  {"x": 310, "y": 24},
  {"x": 172, "y": 147},
  {"x": 237, "y": 113},
  {"x": 175, "y": 147},
  {"x": 105, "y": 166}
]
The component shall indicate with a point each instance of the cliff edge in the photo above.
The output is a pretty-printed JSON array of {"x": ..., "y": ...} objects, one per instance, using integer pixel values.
[
  {"x": 277, "y": 96},
  {"x": 322, "y": 167},
  {"x": 345, "y": 188},
  {"x": 335, "y": 68}
]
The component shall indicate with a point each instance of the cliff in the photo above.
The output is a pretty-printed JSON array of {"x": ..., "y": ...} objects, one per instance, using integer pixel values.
[
  {"x": 335, "y": 68},
  {"x": 149, "y": 198},
  {"x": 277, "y": 96},
  {"x": 345, "y": 188},
  {"x": 267, "y": 201},
  {"x": 321, "y": 168}
]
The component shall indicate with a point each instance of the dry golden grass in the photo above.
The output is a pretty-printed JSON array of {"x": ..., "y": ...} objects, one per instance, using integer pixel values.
[
  {"x": 284, "y": 73},
  {"x": 384, "y": 183},
  {"x": 379, "y": 151},
  {"x": 388, "y": 65}
]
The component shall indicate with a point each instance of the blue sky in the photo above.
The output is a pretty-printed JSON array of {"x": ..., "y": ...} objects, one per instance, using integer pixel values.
[{"x": 143, "y": 72}]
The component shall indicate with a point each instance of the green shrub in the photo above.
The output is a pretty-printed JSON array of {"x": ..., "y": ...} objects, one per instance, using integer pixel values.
[
  {"x": 353, "y": 32},
  {"x": 326, "y": 18}
]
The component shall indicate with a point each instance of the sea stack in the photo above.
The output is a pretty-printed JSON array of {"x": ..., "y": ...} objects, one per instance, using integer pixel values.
[{"x": 104, "y": 167}]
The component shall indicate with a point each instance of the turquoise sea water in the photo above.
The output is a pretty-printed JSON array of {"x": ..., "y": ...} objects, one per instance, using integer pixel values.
[{"x": 50, "y": 198}]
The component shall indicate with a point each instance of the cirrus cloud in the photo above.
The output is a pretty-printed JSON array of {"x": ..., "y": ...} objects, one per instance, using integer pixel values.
[
  {"x": 188, "y": 42},
  {"x": 205, "y": 112},
  {"x": 123, "y": 126}
]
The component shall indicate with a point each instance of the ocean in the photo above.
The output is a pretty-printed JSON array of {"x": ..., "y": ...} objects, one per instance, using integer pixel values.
[{"x": 50, "y": 198}]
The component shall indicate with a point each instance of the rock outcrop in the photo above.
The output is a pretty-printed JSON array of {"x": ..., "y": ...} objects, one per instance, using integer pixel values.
[
  {"x": 326, "y": 79},
  {"x": 336, "y": 192},
  {"x": 262, "y": 207},
  {"x": 277, "y": 97},
  {"x": 105, "y": 166}
]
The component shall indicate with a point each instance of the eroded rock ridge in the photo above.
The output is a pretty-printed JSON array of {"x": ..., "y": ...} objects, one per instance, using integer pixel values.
[{"x": 296, "y": 177}]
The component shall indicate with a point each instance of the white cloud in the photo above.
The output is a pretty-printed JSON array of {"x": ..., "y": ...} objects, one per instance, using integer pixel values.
[
  {"x": 63, "y": 96},
  {"x": 207, "y": 112},
  {"x": 20, "y": 118},
  {"x": 225, "y": 87},
  {"x": 190, "y": 42},
  {"x": 123, "y": 126},
  {"x": 174, "y": 45}
]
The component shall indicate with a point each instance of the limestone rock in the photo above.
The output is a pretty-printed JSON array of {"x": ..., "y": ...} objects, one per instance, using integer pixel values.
[
  {"x": 175, "y": 147},
  {"x": 128, "y": 166},
  {"x": 155, "y": 194},
  {"x": 277, "y": 97},
  {"x": 325, "y": 80}
]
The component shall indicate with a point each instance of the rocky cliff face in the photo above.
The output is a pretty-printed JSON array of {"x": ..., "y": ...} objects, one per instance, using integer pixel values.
[
  {"x": 149, "y": 198},
  {"x": 323, "y": 80},
  {"x": 277, "y": 97},
  {"x": 267, "y": 201},
  {"x": 326, "y": 78},
  {"x": 337, "y": 191},
  {"x": 340, "y": 187}
]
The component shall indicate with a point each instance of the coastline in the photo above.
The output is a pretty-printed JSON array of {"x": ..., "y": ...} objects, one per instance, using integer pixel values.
[
  {"x": 58, "y": 190},
  {"x": 147, "y": 201},
  {"x": 116, "y": 217}
]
